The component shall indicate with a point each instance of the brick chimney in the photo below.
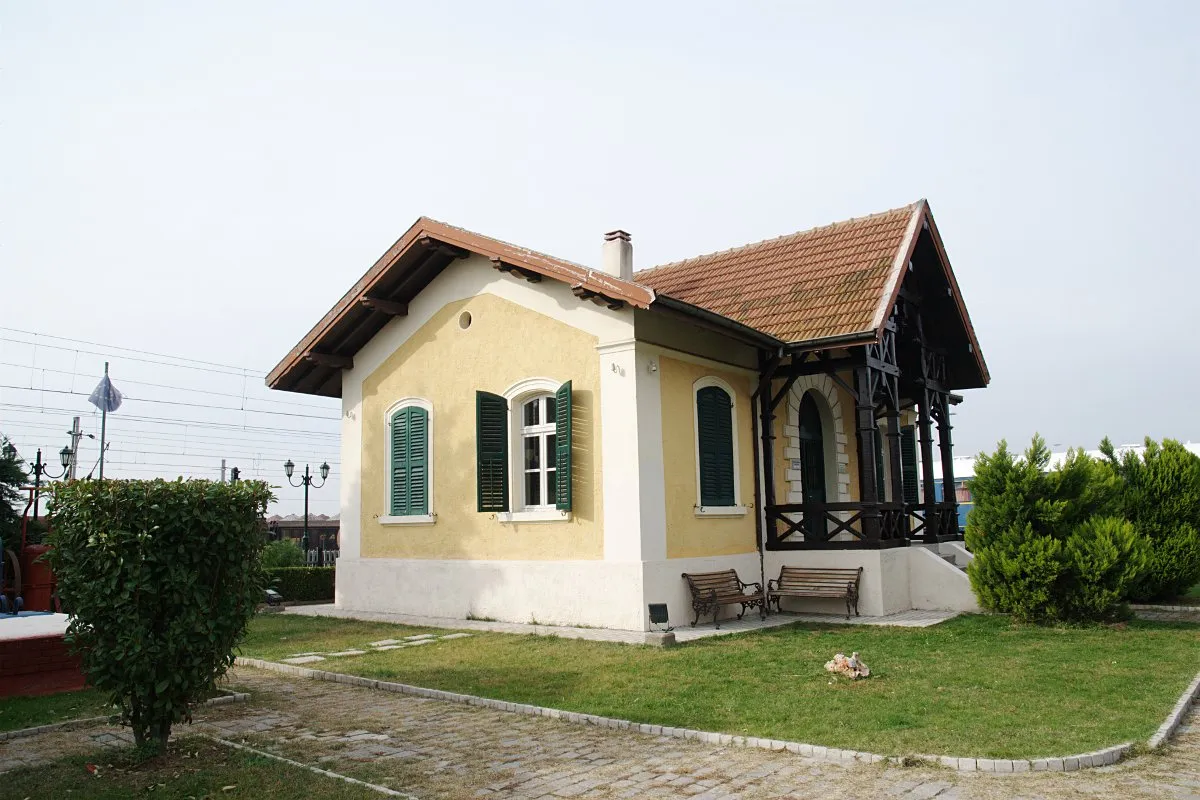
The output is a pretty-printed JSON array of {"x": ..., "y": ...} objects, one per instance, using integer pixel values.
[{"x": 617, "y": 255}]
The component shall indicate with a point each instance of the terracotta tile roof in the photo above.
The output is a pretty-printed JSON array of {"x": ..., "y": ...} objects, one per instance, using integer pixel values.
[{"x": 829, "y": 281}]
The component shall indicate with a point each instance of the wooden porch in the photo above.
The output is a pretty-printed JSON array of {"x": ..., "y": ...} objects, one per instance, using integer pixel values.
[{"x": 909, "y": 368}]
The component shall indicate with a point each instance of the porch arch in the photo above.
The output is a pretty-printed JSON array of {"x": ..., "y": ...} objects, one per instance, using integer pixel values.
[{"x": 837, "y": 478}]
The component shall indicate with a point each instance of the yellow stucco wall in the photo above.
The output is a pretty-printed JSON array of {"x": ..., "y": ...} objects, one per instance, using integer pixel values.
[
  {"x": 690, "y": 536},
  {"x": 445, "y": 364}
]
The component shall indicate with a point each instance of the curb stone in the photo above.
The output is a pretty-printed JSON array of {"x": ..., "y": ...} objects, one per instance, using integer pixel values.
[
  {"x": 71, "y": 724},
  {"x": 1105, "y": 757}
]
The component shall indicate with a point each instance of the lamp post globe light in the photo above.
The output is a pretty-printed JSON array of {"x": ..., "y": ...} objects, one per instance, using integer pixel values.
[
  {"x": 40, "y": 469},
  {"x": 306, "y": 481}
]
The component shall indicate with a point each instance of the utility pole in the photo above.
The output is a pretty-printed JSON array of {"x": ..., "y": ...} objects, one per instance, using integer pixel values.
[
  {"x": 103, "y": 423},
  {"x": 222, "y": 470},
  {"x": 76, "y": 434}
]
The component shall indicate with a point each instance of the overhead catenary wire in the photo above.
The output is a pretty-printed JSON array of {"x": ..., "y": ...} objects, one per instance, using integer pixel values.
[
  {"x": 190, "y": 389},
  {"x": 190, "y": 363},
  {"x": 184, "y": 422},
  {"x": 148, "y": 400}
]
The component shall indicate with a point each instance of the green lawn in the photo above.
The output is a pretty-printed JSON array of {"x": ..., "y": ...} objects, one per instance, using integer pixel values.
[
  {"x": 975, "y": 685},
  {"x": 26, "y": 712},
  {"x": 191, "y": 768}
]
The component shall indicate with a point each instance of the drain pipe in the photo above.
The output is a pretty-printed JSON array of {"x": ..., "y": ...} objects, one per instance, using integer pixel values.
[{"x": 760, "y": 509}]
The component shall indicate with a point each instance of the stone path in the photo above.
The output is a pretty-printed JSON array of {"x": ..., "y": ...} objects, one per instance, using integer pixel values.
[
  {"x": 382, "y": 645},
  {"x": 1191, "y": 615},
  {"x": 683, "y": 633},
  {"x": 446, "y": 750}
]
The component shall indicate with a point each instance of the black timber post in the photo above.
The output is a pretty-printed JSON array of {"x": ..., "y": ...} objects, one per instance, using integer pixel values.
[
  {"x": 930, "y": 494},
  {"x": 767, "y": 431},
  {"x": 949, "y": 496},
  {"x": 866, "y": 429},
  {"x": 895, "y": 461}
]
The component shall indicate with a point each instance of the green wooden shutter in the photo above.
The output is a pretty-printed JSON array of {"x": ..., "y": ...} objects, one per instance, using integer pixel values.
[
  {"x": 491, "y": 451},
  {"x": 418, "y": 460},
  {"x": 410, "y": 461},
  {"x": 400, "y": 438},
  {"x": 908, "y": 464},
  {"x": 562, "y": 447},
  {"x": 714, "y": 428}
]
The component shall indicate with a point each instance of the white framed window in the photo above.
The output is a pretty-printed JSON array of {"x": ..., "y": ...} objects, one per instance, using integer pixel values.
[
  {"x": 714, "y": 420},
  {"x": 533, "y": 445},
  {"x": 536, "y": 455},
  {"x": 408, "y": 492}
]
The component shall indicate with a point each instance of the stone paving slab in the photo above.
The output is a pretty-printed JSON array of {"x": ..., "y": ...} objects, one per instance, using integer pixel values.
[
  {"x": 684, "y": 633},
  {"x": 436, "y": 749}
]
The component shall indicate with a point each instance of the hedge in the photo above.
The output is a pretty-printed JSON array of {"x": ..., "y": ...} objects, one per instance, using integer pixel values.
[{"x": 302, "y": 583}]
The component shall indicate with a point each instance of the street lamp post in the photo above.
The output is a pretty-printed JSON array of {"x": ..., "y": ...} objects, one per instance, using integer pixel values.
[
  {"x": 40, "y": 469},
  {"x": 306, "y": 481}
]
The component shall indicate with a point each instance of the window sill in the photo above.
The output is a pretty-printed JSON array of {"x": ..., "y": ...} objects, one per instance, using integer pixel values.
[
  {"x": 549, "y": 515},
  {"x": 414, "y": 519},
  {"x": 720, "y": 511}
]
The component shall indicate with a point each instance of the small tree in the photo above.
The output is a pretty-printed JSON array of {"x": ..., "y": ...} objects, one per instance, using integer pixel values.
[
  {"x": 12, "y": 477},
  {"x": 1043, "y": 552},
  {"x": 1160, "y": 495},
  {"x": 283, "y": 553},
  {"x": 161, "y": 579}
]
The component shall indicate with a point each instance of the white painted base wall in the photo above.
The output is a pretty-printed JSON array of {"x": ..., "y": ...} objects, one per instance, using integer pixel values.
[
  {"x": 605, "y": 594},
  {"x": 610, "y": 594},
  {"x": 936, "y": 585}
]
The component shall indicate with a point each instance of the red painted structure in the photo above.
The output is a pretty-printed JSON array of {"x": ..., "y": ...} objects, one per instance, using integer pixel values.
[{"x": 37, "y": 665}]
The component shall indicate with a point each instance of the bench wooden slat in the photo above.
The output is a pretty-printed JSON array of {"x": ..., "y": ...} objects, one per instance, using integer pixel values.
[
  {"x": 816, "y": 582},
  {"x": 711, "y": 590}
]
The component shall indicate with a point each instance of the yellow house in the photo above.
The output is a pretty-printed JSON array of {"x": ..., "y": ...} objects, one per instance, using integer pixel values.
[{"x": 525, "y": 438}]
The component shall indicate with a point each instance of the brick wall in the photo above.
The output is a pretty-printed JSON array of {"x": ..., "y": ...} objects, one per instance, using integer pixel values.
[{"x": 38, "y": 665}]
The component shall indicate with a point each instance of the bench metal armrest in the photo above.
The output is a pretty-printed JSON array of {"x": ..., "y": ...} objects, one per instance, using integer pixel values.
[
  {"x": 772, "y": 584},
  {"x": 745, "y": 586}
]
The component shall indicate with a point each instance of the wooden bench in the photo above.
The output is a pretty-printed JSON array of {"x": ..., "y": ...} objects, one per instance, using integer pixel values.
[
  {"x": 816, "y": 582},
  {"x": 711, "y": 590}
]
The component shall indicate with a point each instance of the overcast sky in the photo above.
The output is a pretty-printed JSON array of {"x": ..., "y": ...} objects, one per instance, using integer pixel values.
[{"x": 206, "y": 180}]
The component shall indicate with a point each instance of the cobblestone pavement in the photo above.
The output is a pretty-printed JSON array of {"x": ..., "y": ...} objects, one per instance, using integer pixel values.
[{"x": 436, "y": 749}]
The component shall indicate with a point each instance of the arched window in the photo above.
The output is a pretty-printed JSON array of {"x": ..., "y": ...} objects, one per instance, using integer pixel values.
[
  {"x": 538, "y": 445},
  {"x": 716, "y": 445},
  {"x": 410, "y": 460},
  {"x": 812, "y": 461}
]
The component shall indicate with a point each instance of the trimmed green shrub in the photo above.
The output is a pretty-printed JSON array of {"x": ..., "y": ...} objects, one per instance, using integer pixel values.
[
  {"x": 302, "y": 583},
  {"x": 1106, "y": 557},
  {"x": 1161, "y": 497},
  {"x": 283, "y": 553},
  {"x": 1021, "y": 573},
  {"x": 161, "y": 578}
]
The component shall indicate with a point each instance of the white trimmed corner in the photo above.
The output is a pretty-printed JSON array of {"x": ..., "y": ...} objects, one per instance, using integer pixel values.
[
  {"x": 552, "y": 515},
  {"x": 410, "y": 519},
  {"x": 721, "y": 511}
]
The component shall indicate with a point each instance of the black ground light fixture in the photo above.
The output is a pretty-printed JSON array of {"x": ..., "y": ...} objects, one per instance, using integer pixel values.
[{"x": 658, "y": 616}]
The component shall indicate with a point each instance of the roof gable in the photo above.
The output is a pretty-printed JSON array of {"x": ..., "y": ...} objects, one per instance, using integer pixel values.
[
  {"x": 314, "y": 365},
  {"x": 814, "y": 284}
]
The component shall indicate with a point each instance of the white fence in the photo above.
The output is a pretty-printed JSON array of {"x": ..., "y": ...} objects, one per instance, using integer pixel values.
[{"x": 321, "y": 558}]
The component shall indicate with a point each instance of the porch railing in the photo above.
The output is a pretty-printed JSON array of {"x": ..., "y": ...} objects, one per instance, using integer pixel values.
[
  {"x": 812, "y": 526},
  {"x": 821, "y": 524}
]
